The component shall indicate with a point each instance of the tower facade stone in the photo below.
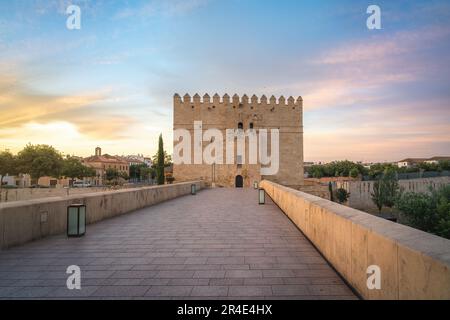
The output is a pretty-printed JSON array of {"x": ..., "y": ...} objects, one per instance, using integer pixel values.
[{"x": 244, "y": 113}]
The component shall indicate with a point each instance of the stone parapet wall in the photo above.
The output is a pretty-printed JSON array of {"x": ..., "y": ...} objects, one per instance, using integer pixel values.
[
  {"x": 24, "y": 221},
  {"x": 23, "y": 194},
  {"x": 413, "y": 264},
  {"x": 361, "y": 191}
]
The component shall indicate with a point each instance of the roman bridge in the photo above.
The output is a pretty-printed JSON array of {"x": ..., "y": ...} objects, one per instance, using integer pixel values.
[{"x": 163, "y": 243}]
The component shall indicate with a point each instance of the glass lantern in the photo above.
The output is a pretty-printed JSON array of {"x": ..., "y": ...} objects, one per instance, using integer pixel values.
[
  {"x": 262, "y": 196},
  {"x": 76, "y": 220}
]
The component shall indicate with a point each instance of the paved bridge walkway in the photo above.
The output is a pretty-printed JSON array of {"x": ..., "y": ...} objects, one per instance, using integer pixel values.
[{"x": 218, "y": 244}]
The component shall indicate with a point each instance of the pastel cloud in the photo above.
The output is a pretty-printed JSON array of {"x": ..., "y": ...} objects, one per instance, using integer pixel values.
[
  {"x": 386, "y": 133},
  {"x": 375, "y": 50},
  {"x": 371, "y": 92},
  {"x": 358, "y": 72},
  {"x": 367, "y": 95}
]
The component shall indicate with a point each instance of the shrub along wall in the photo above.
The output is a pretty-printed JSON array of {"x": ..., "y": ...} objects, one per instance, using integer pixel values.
[{"x": 413, "y": 264}]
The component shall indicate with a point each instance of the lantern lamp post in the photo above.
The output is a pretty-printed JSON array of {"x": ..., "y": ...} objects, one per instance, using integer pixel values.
[
  {"x": 76, "y": 220},
  {"x": 262, "y": 196}
]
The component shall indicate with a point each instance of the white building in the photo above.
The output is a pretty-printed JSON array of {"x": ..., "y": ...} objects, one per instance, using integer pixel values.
[
  {"x": 435, "y": 160},
  {"x": 138, "y": 159},
  {"x": 21, "y": 181},
  {"x": 409, "y": 162}
]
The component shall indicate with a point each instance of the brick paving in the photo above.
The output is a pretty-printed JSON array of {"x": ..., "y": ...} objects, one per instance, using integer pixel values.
[{"x": 219, "y": 244}]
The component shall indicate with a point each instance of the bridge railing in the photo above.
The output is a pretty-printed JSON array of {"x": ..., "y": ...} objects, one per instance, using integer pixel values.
[
  {"x": 412, "y": 264},
  {"x": 24, "y": 221}
]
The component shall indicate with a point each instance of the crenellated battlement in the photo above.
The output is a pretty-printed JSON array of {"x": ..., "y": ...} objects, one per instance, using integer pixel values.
[
  {"x": 236, "y": 100},
  {"x": 199, "y": 115}
]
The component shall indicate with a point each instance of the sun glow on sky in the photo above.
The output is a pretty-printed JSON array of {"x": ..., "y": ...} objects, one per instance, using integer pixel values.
[{"x": 377, "y": 95}]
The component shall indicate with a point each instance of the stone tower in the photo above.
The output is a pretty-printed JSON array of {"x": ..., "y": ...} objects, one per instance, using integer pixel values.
[{"x": 247, "y": 114}]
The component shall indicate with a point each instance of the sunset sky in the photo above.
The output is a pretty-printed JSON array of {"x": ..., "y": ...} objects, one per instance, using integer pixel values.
[{"x": 369, "y": 95}]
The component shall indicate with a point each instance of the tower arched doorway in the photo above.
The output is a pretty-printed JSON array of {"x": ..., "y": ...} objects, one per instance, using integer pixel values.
[{"x": 239, "y": 183}]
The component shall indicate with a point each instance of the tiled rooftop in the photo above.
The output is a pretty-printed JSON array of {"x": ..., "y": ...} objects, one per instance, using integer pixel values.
[{"x": 219, "y": 244}]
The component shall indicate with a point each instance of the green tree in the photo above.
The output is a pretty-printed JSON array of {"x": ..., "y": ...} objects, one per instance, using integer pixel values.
[
  {"x": 354, "y": 172},
  {"x": 391, "y": 187},
  {"x": 443, "y": 212},
  {"x": 418, "y": 209},
  {"x": 330, "y": 189},
  {"x": 378, "y": 194},
  {"x": 160, "y": 161},
  {"x": 73, "y": 168},
  {"x": 386, "y": 189},
  {"x": 135, "y": 171},
  {"x": 40, "y": 161},
  {"x": 88, "y": 172},
  {"x": 429, "y": 166},
  {"x": 167, "y": 159},
  {"x": 444, "y": 164},
  {"x": 378, "y": 169},
  {"x": 342, "y": 195},
  {"x": 427, "y": 212},
  {"x": 8, "y": 166},
  {"x": 112, "y": 175},
  {"x": 146, "y": 173},
  {"x": 140, "y": 172},
  {"x": 124, "y": 175},
  {"x": 316, "y": 171},
  {"x": 337, "y": 169}
]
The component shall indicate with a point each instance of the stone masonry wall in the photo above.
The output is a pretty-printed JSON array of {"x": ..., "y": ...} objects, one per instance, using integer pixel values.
[
  {"x": 24, "y": 221},
  {"x": 360, "y": 191},
  {"x": 413, "y": 264},
  {"x": 225, "y": 113}
]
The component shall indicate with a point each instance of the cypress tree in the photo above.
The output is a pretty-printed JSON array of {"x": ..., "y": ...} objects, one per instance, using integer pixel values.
[{"x": 160, "y": 163}]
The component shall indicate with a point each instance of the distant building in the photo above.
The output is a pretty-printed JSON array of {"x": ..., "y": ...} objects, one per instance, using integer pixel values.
[
  {"x": 100, "y": 163},
  {"x": 368, "y": 165},
  {"x": 411, "y": 162},
  {"x": 148, "y": 161},
  {"x": 20, "y": 181},
  {"x": 435, "y": 160},
  {"x": 138, "y": 160}
]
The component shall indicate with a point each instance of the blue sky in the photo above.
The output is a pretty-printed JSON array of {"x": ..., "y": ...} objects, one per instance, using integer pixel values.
[{"x": 370, "y": 95}]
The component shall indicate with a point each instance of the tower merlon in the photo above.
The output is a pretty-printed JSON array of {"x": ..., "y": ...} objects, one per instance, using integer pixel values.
[
  {"x": 187, "y": 98},
  {"x": 263, "y": 99},
  {"x": 216, "y": 99},
  {"x": 291, "y": 101},
  {"x": 236, "y": 100},
  {"x": 197, "y": 98}
]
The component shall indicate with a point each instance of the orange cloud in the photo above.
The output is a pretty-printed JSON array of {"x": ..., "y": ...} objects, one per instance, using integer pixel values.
[{"x": 385, "y": 133}]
